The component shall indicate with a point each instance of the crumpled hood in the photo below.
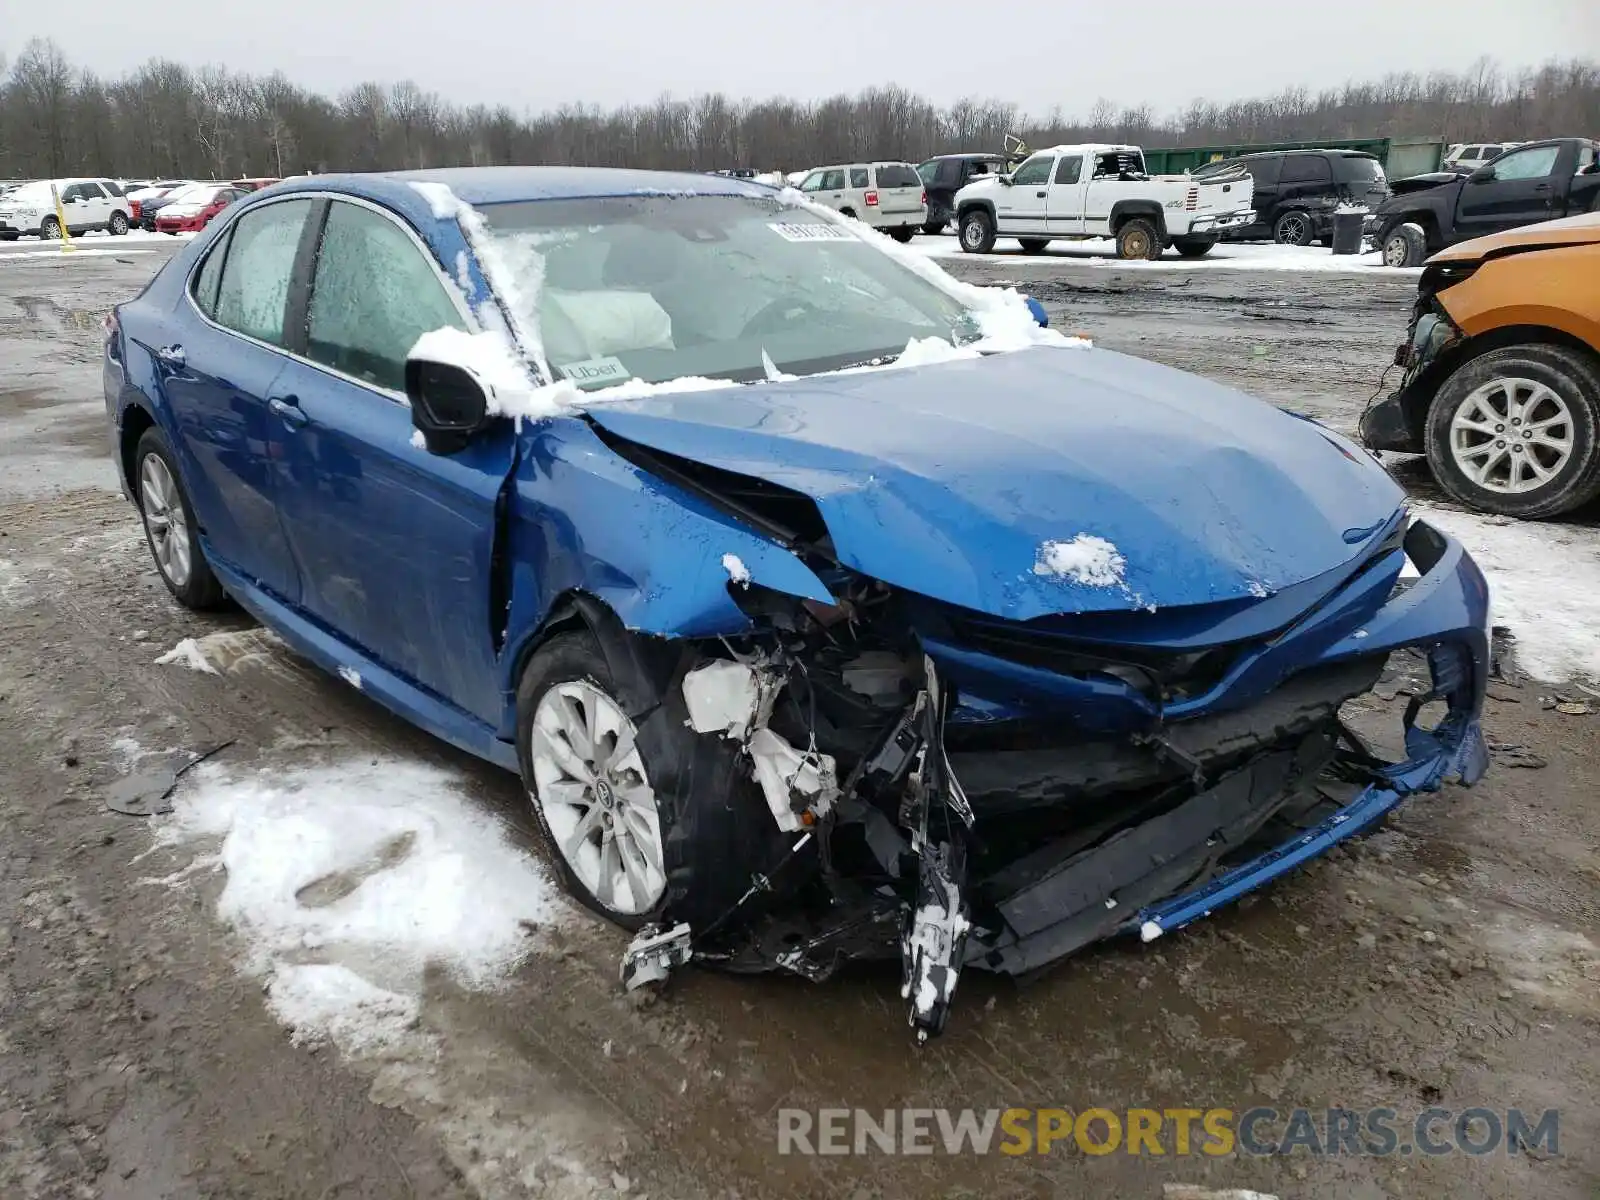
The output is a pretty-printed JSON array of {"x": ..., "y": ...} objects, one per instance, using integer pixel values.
[{"x": 950, "y": 479}]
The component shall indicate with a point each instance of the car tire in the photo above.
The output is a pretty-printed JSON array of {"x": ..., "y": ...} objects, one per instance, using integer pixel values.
[
  {"x": 847, "y": 212},
  {"x": 1194, "y": 247},
  {"x": 713, "y": 829},
  {"x": 1138, "y": 239},
  {"x": 934, "y": 227},
  {"x": 1034, "y": 245},
  {"x": 903, "y": 234},
  {"x": 1406, "y": 245},
  {"x": 9, "y": 237},
  {"x": 977, "y": 232},
  {"x": 170, "y": 528},
  {"x": 50, "y": 229},
  {"x": 1294, "y": 228},
  {"x": 118, "y": 225},
  {"x": 1534, "y": 383}
]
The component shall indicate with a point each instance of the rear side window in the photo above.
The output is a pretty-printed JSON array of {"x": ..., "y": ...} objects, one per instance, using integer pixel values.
[
  {"x": 858, "y": 177},
  {"x": 1493, "y": 151},
  {"x": 1306, "y": 168},
  {"x": 204, "y": 288},
  {"x": 111, "y": 189},
  {"x": 260, "y": 263},
  {"x": 375, "y": 293},
  {"x": 895, "y": 175},
  {"x": 1356, "y": 169},
  {"x": 1069, "y": 169}
]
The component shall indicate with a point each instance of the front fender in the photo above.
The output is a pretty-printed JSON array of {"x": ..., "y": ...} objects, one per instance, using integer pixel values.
[{"x": 584, "y": 520}]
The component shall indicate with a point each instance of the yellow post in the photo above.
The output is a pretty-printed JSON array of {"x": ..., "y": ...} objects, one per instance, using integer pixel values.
[{"x": 61, "y": 219}]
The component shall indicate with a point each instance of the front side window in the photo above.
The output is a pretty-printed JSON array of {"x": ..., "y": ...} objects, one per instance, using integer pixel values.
[
  {"x": 714, "y": 286},
  {"x": 260, "y": 263},
  {"x": 812, "y": 182},
  {"x": 928, "y": 171},
  {"x": 91, "y": 191},
  {"x": 833, "y": 181},
  {"x": 1527, "y": 164},
  {"x": 1035, "y": 170},
  {"x": 374, "y": 294}
]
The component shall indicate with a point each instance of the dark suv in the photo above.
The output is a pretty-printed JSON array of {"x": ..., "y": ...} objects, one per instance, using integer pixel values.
[
  {"x": 946, "y": 174},
  {"x": 1297, "y": 191}
]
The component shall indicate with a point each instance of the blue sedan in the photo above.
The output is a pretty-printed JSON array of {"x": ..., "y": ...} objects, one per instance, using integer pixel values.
[{"x": 829, "y": 608}]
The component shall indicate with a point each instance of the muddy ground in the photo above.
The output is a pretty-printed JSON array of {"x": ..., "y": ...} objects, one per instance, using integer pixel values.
[{"x": 1448, "y": 960}]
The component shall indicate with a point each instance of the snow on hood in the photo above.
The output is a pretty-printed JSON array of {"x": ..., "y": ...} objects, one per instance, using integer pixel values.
[{"x": 498, "y": 355}]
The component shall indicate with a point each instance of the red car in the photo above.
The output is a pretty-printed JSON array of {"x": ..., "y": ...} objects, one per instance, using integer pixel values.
[
  {"x": 195, "y": 208},
  {"x": 254, "y": 184}
]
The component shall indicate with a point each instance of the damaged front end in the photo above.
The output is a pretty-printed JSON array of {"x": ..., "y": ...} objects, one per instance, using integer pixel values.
[{"x": 963, "y": 790}]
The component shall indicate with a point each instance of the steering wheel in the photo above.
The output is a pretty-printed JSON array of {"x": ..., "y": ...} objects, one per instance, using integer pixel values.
[{"x": 777, "y": 316}]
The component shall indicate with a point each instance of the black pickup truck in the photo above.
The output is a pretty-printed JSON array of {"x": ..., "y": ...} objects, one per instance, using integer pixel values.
[{"x": 1540, "y": 181}]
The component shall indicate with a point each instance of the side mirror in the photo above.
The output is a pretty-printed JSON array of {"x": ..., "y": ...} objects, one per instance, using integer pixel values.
[
  {"x": 448, "y": 404},
  {"x": 1482, "y": 175},
  {"x": 1006, "y": 179},
  {"x": 1039, "y": 314}
]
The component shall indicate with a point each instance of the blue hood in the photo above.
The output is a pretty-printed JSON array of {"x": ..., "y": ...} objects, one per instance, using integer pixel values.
[{"x": 948, "y": 479}]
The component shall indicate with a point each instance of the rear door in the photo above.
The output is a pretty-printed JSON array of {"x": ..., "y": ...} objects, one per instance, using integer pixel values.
[
  {"x": 1520, "y": 191},
  {"x": 899, "y": 193},
  {"x": 217, "y": 365},
  {"x": 1064, "y": 213},
  {"x": 394, "y": 543},
  {"x": 1305, "y": 179},
  {"x": 1022, "y": 208}
]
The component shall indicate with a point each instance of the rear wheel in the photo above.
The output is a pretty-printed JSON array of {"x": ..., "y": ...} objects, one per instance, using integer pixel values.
[
  {"x": 646, "y": 819},
  {"x": 1194, "y": 247},
  {"x": 170, "y": 529},
  {"x": 1034, "y": 245},
  {"x": 977, "y": 232},
  {"x": 1293, "y": 228},
  {"x": 903, "y": 234},
  {"x": 1514, "y": 432},
  {"x": 118, "y": 225},
  {"x": 1138, "y": 239}
]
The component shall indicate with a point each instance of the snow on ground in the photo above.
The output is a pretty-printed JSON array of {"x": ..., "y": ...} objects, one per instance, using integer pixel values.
[
  {"x": 346, "y": 881},
  {"x": 54, "y": 251},
  {"x": 225, "y": 650},
  {"x": 1544, "y": 584},
  {"x": 1227, "y": 256}
]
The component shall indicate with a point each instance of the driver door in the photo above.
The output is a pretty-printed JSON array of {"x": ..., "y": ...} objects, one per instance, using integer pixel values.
[
  {"x": 1023, "y": 207},
  {"x": 1520, "y": 192},
  {"x": 394, "y": 543}
]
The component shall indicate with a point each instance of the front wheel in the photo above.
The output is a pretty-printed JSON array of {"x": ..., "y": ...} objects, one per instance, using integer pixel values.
[
  {"x": 170, "y": 529},
  {"x": 1513, "y": 431},
  {"x": 50, "y": 229},
  {"x": 977, "y": 232},
  {"x": 1194, "y": 247},
  {"x": 1404, "y": 246},
  {"x": 646, "y": 819},
  {"x": 118, "y": 225}
]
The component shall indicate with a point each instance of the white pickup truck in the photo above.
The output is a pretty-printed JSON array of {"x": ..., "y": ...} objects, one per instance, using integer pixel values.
[{"x": 1100, "y": 191}]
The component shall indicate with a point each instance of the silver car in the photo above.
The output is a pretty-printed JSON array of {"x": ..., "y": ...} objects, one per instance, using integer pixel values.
[{"x": 886, "y": 195}]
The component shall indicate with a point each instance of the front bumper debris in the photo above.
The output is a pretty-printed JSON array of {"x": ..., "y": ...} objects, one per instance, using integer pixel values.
[{"x": 1207, "y": 826}]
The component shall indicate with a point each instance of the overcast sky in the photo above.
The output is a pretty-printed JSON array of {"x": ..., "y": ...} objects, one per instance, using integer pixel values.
[{"x": 540, "y": 53}]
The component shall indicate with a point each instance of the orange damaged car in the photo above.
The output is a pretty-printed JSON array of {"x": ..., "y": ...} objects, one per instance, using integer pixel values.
[{"x": 1502, "y": 371}]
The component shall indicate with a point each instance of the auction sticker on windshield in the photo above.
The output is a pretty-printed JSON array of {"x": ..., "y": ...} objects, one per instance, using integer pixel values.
[{"x": 811, "y": 233}]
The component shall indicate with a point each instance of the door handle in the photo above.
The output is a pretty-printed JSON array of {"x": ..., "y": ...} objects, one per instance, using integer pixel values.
[
  {"x": 172, "y": 356},
  {"x": 1041, "y": 195},
  {"x": 288, "y": 409},
  {"x": 1541, "y": 187}
]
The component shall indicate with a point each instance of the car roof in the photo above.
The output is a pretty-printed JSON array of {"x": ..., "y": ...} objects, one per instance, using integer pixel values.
[
  {"x": 983, "y": 155},
  {"x": 510, "y": 185}
]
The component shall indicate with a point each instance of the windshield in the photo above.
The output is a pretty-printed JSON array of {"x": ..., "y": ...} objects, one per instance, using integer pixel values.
[{"x": 720, "y": 287}]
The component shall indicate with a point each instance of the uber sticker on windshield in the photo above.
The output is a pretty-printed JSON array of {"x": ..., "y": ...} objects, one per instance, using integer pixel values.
[
  {"x": 791, "y": 232},
  {"x": 596, "y": 372}
]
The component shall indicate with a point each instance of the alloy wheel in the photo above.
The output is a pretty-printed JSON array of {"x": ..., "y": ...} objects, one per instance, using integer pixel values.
[
  {"x": 591, "y": 785},
  {"x": 164, "y": 519},
  {"x": 1512, "y": 435}
]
